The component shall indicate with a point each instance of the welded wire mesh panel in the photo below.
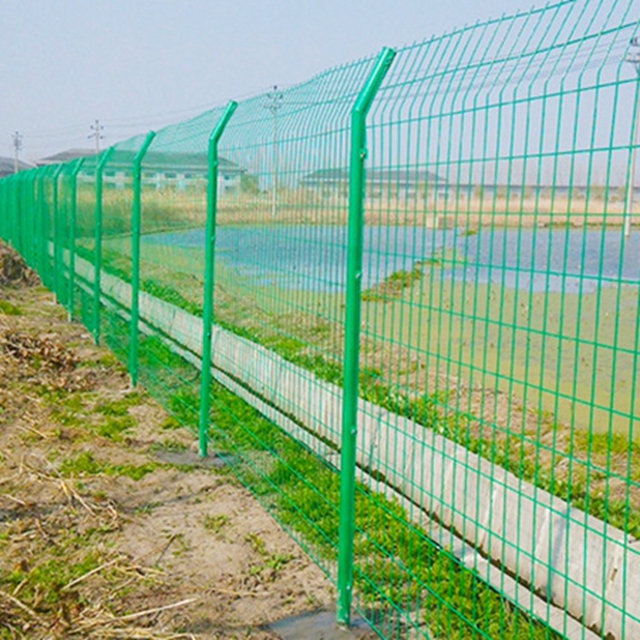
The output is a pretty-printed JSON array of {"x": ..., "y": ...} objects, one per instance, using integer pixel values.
[
  {"x": 280, "y": 283},
  {"x": 497, "y": 456},
  {"x": 5, "y": 210},
  {"x": 84, "y": 244},
  {"x": 62, "y": 232},
  {"x": 174, "y": 178},
  {"x": 116, "y": 246},
  {"x": 501, "y": 329},
  {"x": 30, "y": 249},
  {"x": 21, "y": 223},
  {"x": 47, "y": 202}
]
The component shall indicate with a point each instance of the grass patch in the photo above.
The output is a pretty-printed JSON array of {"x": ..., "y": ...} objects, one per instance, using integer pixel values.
[
  {"x": 71, "y": 410},
  {"x": 171, "y": 445},
  {"x": 84, "y": 464},
  {"x": 43, "y": 586},
  {"x": 395, "y": 561},
  {"x": 216, "y": 524},
  {"x": 114, "y": 428},
  {"x": 396, "y": 565},
  {"x": 393, "y": 286},
  {"x": 273, "y": 561},
  {"x": 120, "y": 408},
  {"x": 8, "y": 309}
]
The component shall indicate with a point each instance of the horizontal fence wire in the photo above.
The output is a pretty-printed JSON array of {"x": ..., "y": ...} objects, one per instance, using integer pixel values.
[{"x": 497, "y": 461}]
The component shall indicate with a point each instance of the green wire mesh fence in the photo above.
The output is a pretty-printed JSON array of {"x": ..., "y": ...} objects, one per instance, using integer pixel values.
[{"x": 412, "y": 285}]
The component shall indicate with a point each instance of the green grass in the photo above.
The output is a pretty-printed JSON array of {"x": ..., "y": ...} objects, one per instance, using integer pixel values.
[
  {"x": 114, "y": 428},
  {"x": 171, "y": 445},
  {"x": 9, "y": 309},
  {"x": 393, "y": 286},
  {"x": 516, "y": 452},
  {"x": 72, "y": 410},
  {"x": 395, "y": 561},
  {"x": 305, "y": 499},
  {"x": 84, "y": 464},
  {"x": 216, "y": 524},
  {"x": 45, "y": 583},
  {"x": 120, "y": 407}
]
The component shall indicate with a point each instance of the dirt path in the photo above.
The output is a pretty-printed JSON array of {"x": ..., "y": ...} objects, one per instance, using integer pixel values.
[{"x": 101, "y": 535}]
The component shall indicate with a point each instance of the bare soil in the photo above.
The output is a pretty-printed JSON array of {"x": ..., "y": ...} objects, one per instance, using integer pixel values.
[{"x": 100, "y": 536}]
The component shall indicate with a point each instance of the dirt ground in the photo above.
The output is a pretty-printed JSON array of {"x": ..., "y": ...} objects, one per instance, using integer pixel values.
[{"x": 105, "y": 532}]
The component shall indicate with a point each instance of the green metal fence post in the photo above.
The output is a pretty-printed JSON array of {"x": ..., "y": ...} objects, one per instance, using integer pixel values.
[
  {"x": 209, "y": 250},
  {"x": 27, "y": 251},
  {"x": 3, "y": 209},
  {"x": 8, "y": 201},
  {"x": 6, "y": 209},
  {"x": 352, "y": 332},
  {"x": 57, "y": 248},
  {"x": 41, "y": 226},
  {"x": 25, "y": 240},
  {"x": 72, "y": 235},
  {"x": 14, "y": 210},
  {"x": 20, "y": 222},
  {"x": 15, "y": 206},
  {"x": 97, "y": 241},
  {"x": 30, "y": 254},
  {"x": 29, "y": 217},
  {"x": 136, "y": 215}
]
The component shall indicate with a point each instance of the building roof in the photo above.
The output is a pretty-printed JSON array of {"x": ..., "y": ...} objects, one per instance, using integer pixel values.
[
  {"x": 399, "y": 177},
  {"x": 164, "y": 161},
  {"x": 65, "y": 156},
  {"x": 180, "y": 162},
  {"x": 7, "y": 166}
]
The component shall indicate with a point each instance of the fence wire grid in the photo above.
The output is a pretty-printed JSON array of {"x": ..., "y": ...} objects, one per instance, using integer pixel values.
[{"x": 419, "y": 348}]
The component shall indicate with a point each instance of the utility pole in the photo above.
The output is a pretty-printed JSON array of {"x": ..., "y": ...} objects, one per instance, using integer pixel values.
[
  {"x": 17, "y": 147},
  {"x": 634, "y": 59},
  {"x": 97, "y": 129},
  {"x": 274, "y": 102}
]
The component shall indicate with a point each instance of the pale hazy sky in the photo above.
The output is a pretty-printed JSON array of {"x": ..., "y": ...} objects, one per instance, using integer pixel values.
[{"x": 141, "y": 64}]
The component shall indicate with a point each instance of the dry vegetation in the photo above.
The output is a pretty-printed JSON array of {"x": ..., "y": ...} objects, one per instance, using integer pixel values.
[
  {"x": 105, "y": 530},
  {"x": 169, "y": 209}
]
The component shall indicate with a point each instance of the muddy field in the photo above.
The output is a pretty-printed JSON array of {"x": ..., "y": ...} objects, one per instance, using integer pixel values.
[{"x": 110, "y": 527}]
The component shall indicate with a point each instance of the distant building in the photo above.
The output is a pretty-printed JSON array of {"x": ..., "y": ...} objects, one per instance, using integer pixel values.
[
  {"x": 65, "y": 156},
  {"x": 183, "y": 170},
  {"x": 160, "y": 169},
  {"x": 405, "y": 184},
  {"x": 380, "y": 183},
  {"x": 519, "y": 191},
  {"x": 164, "y": 170},
  {"x": 7, "y": 166}
]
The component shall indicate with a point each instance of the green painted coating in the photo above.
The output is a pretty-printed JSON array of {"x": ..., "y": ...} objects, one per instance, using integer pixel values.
[
  {"x": 57, "y": 244},
  {"x": 40, "y": 221},
  {"x": 22, "y": 205},
  {"x": 352, "y": 332},
  {"x": 72, "y": 234},
  {"x": 209, "y": 278},
  {"x": 30, "y": 248},
  {"x": 47, "y": 274},
  {"x": 498, "y": 337},
  {"x": 136, "y": 216},
  {"x": 97, "y": 241}
]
